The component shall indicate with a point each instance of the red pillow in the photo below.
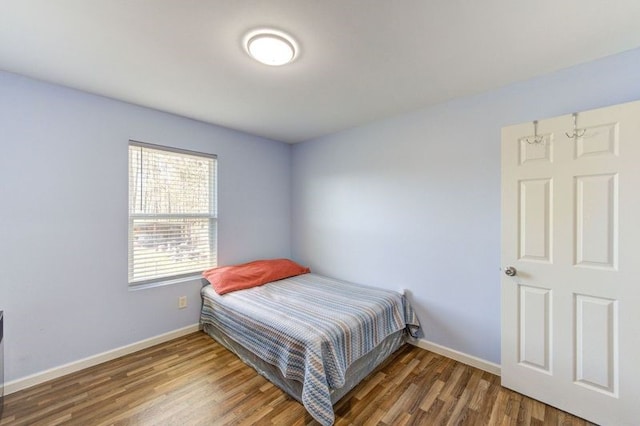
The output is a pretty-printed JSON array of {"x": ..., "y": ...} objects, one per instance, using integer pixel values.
[{"x": 238, "y": 277}]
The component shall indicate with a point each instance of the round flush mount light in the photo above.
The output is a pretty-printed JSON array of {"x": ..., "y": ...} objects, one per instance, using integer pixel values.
[{"x": 271, "y": 47}]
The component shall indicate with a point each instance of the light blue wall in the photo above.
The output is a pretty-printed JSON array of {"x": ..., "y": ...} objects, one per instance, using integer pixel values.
[
  {"x": 63, "y": 220},
  {"x": 410, "y": 202},
  {"x": 414, "y": 201}
]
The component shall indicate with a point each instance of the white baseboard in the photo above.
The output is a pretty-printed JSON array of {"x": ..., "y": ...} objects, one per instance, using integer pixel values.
[
  {"x": 72, "y": 367},
  {"x": 458, "y": 356}
]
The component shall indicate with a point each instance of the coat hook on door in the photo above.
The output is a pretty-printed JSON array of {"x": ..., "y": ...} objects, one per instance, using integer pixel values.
[
  {"x": 536, "y": 138},
  {"x": 577, "y": 133}
]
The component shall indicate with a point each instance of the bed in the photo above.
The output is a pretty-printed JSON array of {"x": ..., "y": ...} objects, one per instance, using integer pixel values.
[{"x": 314, "y": 337}]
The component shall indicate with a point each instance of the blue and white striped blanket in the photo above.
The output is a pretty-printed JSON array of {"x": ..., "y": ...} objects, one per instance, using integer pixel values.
[{"x": 311, "y": 327}]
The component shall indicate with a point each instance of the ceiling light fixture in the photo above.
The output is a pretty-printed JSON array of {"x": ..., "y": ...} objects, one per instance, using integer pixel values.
[{"x": 271, "y": 47}]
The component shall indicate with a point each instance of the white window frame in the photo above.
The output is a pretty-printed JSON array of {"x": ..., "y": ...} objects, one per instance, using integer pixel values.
[{"x": 210, "y": 217}]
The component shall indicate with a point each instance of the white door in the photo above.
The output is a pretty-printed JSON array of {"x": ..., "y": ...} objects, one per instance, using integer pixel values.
[{"x": 571, "y": 233}]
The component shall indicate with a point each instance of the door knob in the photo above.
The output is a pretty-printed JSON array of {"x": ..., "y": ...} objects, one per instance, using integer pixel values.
[{"x": 510, "y": 271}]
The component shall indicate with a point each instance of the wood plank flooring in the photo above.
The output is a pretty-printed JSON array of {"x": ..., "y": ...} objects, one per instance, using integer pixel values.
[{"x": 195, "y": 381}]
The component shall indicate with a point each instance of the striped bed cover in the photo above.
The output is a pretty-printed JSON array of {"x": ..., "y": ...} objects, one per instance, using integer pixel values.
[{"x": 311, "y": 327}]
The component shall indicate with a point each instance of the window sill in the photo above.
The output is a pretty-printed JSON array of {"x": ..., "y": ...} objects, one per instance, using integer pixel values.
[{"x": 164, "y": 282}]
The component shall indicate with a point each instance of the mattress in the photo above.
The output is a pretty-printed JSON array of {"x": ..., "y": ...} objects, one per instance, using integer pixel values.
[{"x": 313, "y": 336}]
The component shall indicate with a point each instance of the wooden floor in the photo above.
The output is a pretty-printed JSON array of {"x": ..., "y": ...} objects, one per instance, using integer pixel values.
[{"x": 195, "y": 381}]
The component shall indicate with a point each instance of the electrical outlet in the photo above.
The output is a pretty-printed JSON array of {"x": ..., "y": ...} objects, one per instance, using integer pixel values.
[{"x": 182, "y": 302}]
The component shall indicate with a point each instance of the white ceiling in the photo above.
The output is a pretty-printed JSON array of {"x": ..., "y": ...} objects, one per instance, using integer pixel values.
[{"x": 361, "y": 60}]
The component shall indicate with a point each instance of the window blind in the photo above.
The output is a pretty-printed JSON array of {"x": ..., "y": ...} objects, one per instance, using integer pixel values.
[{"x": 172, "y": 213}]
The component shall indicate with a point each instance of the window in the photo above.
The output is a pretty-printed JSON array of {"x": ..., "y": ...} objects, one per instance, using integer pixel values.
[{"x": 172, "y": 213}]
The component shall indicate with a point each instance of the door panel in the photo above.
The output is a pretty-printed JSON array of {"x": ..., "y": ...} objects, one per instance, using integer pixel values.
[
  {"x": 571, "y": 230},
  {"x": 598, "y": 140},
  {"x": 596, "y": 341},
  {"x": 596, "y": 220},
  {"x": 535, "y": 220},
  {"x": 535, "y": 328}
]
